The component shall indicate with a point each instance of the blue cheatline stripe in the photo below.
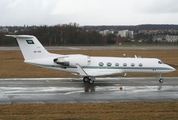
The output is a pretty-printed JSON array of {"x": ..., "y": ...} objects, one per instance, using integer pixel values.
[{"x": 104, "y": 67}]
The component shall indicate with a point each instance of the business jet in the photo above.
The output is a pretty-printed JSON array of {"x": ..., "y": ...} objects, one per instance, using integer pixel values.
[{"x": 86, "y": 66}]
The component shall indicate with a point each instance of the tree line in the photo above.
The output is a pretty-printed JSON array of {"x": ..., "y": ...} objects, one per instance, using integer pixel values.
[{"x": 70, "y": 34}]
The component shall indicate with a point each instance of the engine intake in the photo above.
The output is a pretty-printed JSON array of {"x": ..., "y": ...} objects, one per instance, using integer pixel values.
[
  {"x": 61, "y": 61},
  {"x": 72, "y": 60}
]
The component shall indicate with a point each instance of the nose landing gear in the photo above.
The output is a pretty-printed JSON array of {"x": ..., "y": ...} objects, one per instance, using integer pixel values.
[{"x": 160, "y": 78}]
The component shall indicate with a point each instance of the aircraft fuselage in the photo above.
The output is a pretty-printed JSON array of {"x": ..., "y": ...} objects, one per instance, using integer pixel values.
[{"x": 98, "y": 66}]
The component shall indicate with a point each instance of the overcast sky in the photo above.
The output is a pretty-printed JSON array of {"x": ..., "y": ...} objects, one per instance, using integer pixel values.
[{"x": 88, "y": 12}]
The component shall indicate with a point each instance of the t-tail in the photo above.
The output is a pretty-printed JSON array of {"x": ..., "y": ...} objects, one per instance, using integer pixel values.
[{"x": 30, "y": 46}]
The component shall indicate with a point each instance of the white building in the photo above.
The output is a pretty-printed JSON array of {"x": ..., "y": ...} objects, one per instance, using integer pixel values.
[
  {"x": 104, "y": 32},
  {"x": 123, "y": 33},
  {"x": 5, "y": 30},
  {"x": 131, "y": 34},
  {"x": 171, "y": 38},
  {"x": 165, "y": 38},
  {"x": 126, "y": 34}
]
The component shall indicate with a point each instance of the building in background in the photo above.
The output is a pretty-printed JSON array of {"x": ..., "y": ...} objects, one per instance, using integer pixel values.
[
  {"x": 123, "y": 33},
  {"x": 126, "y": 33},
  {"x": 4, "y": 30},
  {"x": 106, "y": 32},
  {"x": 165, "y": 38}
]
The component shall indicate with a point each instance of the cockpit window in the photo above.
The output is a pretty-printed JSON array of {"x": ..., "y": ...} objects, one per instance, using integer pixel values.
[{"x": 160, "y": 62}]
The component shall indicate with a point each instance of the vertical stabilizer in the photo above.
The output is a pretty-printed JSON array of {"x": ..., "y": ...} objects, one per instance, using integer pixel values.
[{"x": 30, "y": 46}]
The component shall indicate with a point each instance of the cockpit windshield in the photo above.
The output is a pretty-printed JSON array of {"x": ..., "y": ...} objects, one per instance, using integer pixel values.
[{"x": 160, "y": 62}]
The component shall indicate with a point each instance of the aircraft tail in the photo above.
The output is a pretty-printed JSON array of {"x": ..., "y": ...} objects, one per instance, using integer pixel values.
[{"x": 30, "y": 47}]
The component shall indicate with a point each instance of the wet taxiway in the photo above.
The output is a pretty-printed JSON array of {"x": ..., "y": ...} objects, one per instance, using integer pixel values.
[{"x": 73, "y": 90}]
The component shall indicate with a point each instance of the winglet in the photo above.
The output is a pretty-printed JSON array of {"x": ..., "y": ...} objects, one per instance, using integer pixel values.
[{"x": 80, "y": 70}]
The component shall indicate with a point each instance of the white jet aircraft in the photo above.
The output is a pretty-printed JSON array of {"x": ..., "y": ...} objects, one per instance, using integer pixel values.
[{"x": 87, "y": 66}]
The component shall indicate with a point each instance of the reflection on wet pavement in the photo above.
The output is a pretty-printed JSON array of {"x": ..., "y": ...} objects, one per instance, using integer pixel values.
[{"x": 58, "y": 90}]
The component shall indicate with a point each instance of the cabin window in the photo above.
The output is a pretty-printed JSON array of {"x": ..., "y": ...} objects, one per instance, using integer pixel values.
[
  {"x": 101, "y": 64},
  {"x": 125, "y": 64},
  {"x": 140, "y": 64},
  {"x": 132, "y": 64},
  {"x": 109, "y": 64},
  {"x": 117, "y": 64}
]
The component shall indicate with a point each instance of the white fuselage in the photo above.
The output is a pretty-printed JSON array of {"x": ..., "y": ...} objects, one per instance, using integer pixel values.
[{"x": 99, "y": 66}]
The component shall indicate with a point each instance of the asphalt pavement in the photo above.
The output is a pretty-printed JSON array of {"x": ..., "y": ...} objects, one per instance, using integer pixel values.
[{"x": 73, "y": 90}]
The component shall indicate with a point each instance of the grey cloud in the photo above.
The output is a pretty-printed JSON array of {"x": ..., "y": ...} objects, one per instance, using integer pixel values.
[
  {"x": 113, "y": 12},
  {"x": 157, "y": 6},
  {"x": 31, "y": 12}
]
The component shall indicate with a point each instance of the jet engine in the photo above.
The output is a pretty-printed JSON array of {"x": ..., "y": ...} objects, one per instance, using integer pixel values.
[{"x": 72, "y": 60}]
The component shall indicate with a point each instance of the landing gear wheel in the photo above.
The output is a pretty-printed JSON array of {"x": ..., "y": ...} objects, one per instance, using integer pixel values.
[
  {"x": 161, "y": 80},
  {"x": 86, "y": 79},
  {"x": 91, "y": 81}
]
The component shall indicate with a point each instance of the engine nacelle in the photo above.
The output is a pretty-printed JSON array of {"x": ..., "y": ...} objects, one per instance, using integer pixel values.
[{"x": 72, "y": 60}]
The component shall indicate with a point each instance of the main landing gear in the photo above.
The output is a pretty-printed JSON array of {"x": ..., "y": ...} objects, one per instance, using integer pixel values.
[
  {"x": 160, "y": 78},
  {"x": 89, "y": 80}
]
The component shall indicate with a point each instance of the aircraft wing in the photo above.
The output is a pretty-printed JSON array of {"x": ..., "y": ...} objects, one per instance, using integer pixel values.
[
  {"x": 81, "y": 71},
  {"x": 96, "y": 72}
]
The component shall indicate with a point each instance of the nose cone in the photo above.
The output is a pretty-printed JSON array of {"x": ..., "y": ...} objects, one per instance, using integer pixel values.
[{"x": 172, "y": 69}]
